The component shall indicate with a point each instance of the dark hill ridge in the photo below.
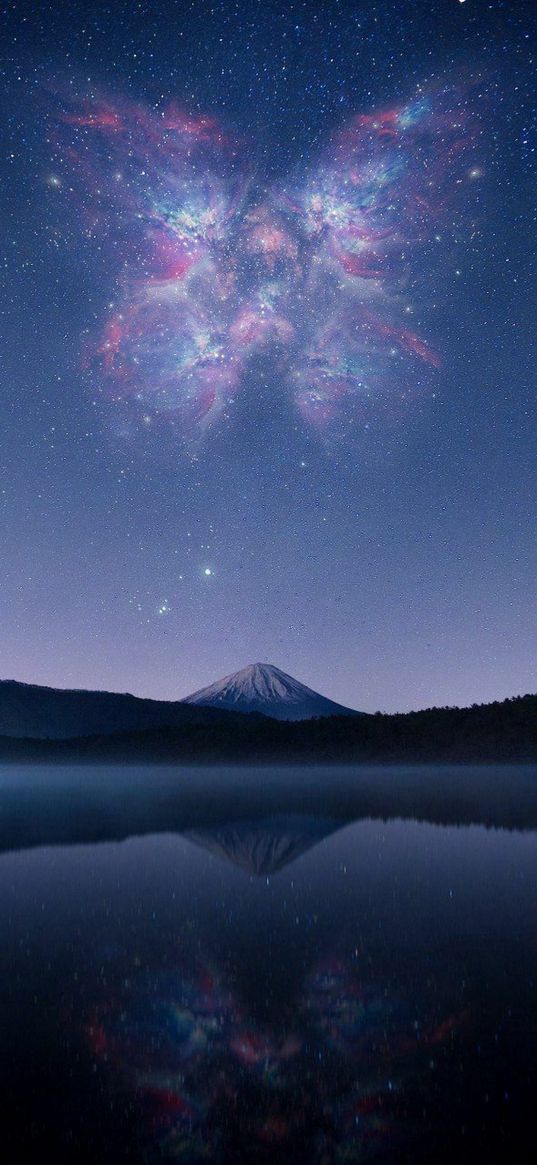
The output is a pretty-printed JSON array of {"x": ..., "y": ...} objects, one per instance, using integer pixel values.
[
  {"x": 488, "y": 733},
  {"x": 29, "y": 710}
]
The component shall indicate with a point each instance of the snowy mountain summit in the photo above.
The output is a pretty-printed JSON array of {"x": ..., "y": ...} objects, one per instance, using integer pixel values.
[{"x": 262, "y": 687}]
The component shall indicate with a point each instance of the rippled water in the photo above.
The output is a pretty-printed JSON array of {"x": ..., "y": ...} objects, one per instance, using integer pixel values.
[{"x": 278, "y": 976}]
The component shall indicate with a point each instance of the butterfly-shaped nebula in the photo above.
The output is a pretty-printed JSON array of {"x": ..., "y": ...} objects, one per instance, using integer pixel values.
[{"x": 209, "y": 268}]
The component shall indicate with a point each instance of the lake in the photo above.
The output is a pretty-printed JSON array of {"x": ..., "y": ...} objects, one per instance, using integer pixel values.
[{"x": 240, "y": 966}]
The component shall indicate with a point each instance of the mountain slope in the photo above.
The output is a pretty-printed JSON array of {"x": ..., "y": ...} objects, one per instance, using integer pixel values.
[
  {"x": 31, "y": 711},
  {"x": 262, "y": 687}
]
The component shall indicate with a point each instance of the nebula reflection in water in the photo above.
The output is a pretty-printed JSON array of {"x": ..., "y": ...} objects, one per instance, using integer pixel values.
[{"x": 327, "y": 1082}]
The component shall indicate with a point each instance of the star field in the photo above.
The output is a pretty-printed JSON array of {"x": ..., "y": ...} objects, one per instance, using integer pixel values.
[{"x": 268, "y": 302}]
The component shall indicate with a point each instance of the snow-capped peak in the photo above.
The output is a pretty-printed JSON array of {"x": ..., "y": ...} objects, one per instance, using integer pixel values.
[{"x": 263, "y": 687}]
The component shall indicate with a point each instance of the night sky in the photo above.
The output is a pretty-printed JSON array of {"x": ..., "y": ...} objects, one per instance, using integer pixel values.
[{"x": 268, "y": 307}]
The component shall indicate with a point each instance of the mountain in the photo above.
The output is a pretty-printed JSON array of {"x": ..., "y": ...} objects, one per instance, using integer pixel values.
[
  {"x": 32, "y": 711},
  {"x": 262, "y": 687}
]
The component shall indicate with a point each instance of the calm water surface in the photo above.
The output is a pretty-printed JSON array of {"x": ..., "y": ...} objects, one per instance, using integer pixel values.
[{"x": 268, "y": 979}]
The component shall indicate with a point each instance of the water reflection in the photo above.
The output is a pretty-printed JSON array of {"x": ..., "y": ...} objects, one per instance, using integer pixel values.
[
  {"x": 41, "y": 805},
  {"x": 264, "y": 984},
  {"x": 263, "y": 847},
  {"x": 332, "y": 1080},
  {"x": 330, "y": 1076}
]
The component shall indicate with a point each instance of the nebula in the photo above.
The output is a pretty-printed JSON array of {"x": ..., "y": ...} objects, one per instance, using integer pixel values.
[{"x": 210, "y": 269}]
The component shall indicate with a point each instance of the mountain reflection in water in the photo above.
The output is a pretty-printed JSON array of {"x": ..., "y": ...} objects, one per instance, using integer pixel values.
[
  {"x": 268, "y": 972},
  {"x": 330, "y": 1078},
  {"x": 266, "y": 846}
]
